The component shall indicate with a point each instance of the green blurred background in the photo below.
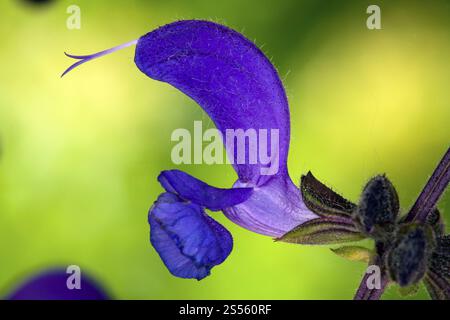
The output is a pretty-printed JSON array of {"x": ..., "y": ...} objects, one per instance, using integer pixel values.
[{"x": 80, "y": 155}]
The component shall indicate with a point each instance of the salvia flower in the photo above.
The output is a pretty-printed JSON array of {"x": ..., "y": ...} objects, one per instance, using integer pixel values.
[
  {"x": 238, "y": 87},
  {"x": 52, "y": 285}
]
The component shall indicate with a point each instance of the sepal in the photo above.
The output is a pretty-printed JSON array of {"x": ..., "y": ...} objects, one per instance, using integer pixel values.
[
  {"x": 323, "y": 231},
  {"x": 354, "y": 253},
  {"x": 322, "y": 200}
]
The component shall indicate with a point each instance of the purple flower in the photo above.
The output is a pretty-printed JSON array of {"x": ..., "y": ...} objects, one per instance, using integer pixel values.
[
  {"x": 238, "y": 87},
  {"x": 52, "y": 285}
]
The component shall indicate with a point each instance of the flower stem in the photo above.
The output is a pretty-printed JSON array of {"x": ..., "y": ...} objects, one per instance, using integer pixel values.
[
  {"x": 432, "y": 191},
  {"x": 364, "y": 293}
]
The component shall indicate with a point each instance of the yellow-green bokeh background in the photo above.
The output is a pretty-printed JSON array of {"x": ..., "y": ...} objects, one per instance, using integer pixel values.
[{"x": 80, "y": 155}]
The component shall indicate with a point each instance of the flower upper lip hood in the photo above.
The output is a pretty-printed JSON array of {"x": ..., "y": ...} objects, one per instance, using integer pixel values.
[
  {"x": 239, "y": 88},
  {"x": 226, "y": 74}
]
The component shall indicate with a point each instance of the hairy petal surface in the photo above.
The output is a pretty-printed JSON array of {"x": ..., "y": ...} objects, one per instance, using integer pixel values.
[{"x": 188, "y": 241}]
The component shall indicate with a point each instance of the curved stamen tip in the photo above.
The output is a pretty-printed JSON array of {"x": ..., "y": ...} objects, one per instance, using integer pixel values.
[{"x": 86, "y": 58}]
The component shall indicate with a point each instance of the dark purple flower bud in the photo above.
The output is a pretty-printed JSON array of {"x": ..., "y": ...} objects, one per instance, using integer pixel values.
[
  {"x": 52, "y": 285},
  {"x": 378, "y": 207},
  {"x": 408, "y": 258}
]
